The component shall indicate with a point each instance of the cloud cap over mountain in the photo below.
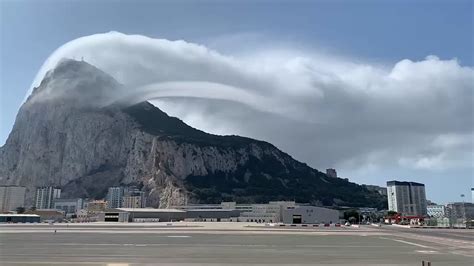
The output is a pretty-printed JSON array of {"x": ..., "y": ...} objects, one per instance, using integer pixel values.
[{"x": 324, "y": 110}]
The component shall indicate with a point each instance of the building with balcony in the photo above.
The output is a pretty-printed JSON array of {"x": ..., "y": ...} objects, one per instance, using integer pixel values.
[{"x": 45, "y": 197}]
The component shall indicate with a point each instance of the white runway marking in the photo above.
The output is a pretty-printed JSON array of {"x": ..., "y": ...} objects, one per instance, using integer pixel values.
[
  {"x": 427, "y": 251},
  {"x": 406, "y": 242},
  {"x": 178, "y": 236}
]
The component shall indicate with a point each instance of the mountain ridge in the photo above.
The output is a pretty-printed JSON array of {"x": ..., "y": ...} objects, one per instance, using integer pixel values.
[{"x": 70, "y": 133}]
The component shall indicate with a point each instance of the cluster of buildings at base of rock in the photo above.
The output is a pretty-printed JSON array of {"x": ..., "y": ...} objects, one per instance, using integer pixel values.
[{"x": 407, "y": 204}]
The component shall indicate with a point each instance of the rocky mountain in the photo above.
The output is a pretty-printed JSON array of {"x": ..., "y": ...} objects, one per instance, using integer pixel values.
[{"x": 69, "y": 133}]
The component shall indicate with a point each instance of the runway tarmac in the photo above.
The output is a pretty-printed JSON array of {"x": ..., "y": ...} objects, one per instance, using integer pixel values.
[{"x": 226, "y": 244}]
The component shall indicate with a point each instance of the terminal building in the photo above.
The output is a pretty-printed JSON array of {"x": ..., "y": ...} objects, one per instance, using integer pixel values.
[
  {"x": 141, "y": 215},
  {"x": 273, "y": 212}
]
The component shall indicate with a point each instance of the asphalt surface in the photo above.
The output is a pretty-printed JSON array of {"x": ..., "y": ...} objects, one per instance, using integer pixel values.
[
  {"x": 130, "y": 245},
  {"x": 459, "y": 234}
]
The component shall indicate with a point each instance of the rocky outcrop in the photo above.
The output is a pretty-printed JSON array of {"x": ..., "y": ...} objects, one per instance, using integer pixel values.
[{"x": 70, "y": 134}]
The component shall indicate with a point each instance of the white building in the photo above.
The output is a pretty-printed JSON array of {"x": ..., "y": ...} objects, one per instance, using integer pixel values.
[
  {"x": 45, "y": 196},
  {"x": 407, "y": 198},
  {"x": 436, "y": 211},
  {"x": 472, "y": 194},
  {"x": 11, "y": 197},
  {"x": 114, "y": 197},
  {"x": 69, "y": 206}
]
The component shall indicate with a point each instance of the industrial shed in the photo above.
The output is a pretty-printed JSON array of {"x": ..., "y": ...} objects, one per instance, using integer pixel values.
[{"x": 309, "y": 215}]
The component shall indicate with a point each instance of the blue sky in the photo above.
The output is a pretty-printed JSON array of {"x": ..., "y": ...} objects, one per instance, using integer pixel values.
[{"x": 375, "y": 31}]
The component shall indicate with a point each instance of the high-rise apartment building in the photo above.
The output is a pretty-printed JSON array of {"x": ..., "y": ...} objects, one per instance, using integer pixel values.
[
  {"x": 133, "y": 198},
  {"x": 407, "y": 198},
  {"x": 125, "y": 197},
  {"x": 45, "y": 196},
  {"x": 114, "y": 197},
  {"x": 11, "y": 197}
]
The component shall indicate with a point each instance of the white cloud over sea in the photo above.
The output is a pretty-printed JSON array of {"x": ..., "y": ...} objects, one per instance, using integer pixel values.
[{"x": 325, "y": 110}]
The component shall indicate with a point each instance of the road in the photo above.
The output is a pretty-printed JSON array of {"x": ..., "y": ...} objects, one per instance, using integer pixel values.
[{"x": 221, "y": 244}]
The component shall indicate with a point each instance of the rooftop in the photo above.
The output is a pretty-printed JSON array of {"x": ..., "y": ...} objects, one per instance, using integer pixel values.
[
  {"x": 148, "y": 210},
  {"x": 403, "y": 183},
  {"x": 18, "y": 215}
]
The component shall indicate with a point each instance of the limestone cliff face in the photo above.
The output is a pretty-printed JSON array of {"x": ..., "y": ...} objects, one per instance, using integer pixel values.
[{"x": 70, "y": 134}]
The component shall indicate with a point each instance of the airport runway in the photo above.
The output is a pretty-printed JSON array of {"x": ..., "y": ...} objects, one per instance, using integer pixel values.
[{"x": 220, "y": 244}]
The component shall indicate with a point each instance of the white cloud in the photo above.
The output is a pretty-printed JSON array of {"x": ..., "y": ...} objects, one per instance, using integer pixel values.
[{"x": 324, "y": 110}]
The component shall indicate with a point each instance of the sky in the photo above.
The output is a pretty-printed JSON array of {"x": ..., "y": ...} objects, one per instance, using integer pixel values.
[{"x": 379, "y": 90}]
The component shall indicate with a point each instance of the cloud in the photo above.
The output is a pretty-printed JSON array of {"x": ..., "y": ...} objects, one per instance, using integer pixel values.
[{"x": 324, "y": 110}]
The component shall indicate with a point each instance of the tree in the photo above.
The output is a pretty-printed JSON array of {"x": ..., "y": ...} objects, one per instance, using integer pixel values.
[
  {"x": 392, "y": 213},
  {"x": 20, "y": 210},
  {"x": 351, "y": 216}
]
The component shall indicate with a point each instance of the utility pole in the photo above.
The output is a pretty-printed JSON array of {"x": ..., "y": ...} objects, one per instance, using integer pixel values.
[{"x": 463, "y": 210}]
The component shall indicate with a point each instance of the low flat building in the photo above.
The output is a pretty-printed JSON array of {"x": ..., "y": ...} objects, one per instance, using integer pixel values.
[
  {"x": 19, "y": 218},
  {"x": 69, "y": 206},
  {"x": 96, "y": 206},
  {"x": 48, "y": 214},
  {"x": 310, "y": 215},
  {"x": 167, "y": 215}
]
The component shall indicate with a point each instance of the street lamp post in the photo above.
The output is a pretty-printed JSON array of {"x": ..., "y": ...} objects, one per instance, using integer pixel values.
[{"x": 463, "y": 211}]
